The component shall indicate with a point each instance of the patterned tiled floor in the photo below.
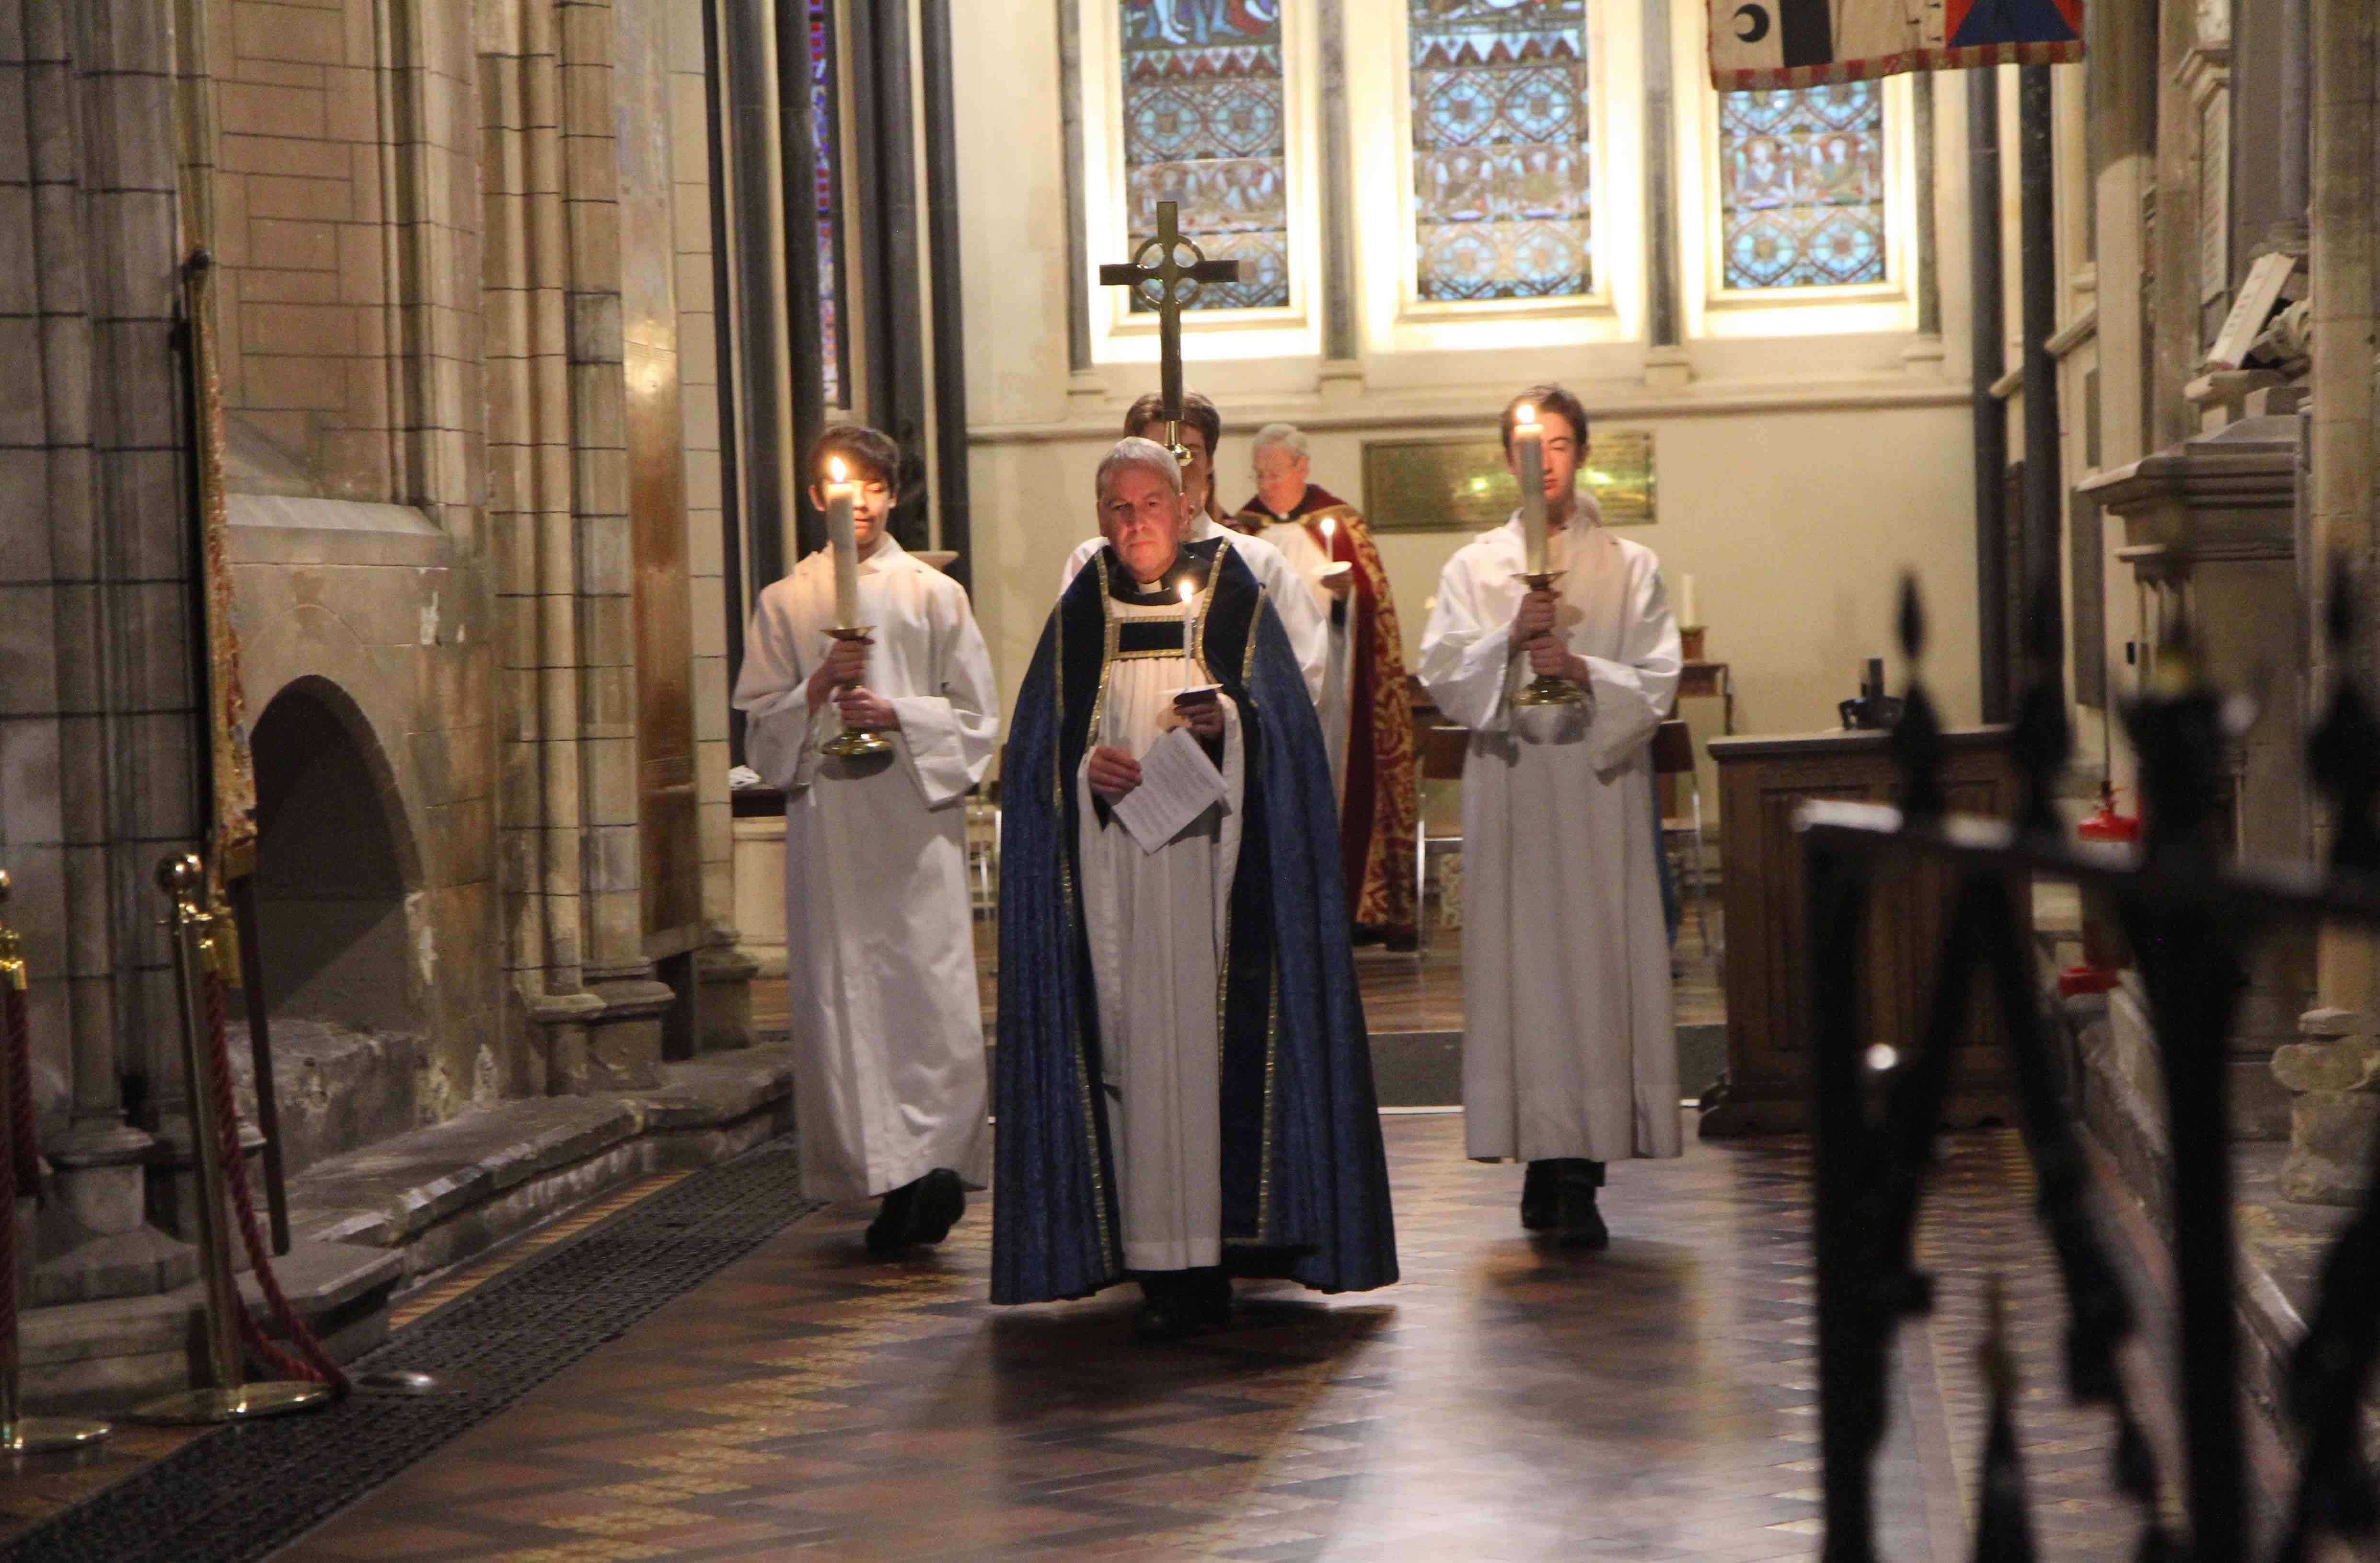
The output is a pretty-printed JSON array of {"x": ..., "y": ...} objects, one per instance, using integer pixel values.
[
  {"x": 1505, "y": 1401},
  {"x": 33, "y": 1489},
  {"x": 1417, "y": 991}
]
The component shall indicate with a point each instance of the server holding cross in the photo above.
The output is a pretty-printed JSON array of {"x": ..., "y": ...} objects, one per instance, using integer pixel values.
[
  {"x": 1176, "y": 286},
  {"x": 1168, "y": 270}
]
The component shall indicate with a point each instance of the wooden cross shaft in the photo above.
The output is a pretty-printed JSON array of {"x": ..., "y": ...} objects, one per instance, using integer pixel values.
[{"x": 1176, "y": 282}]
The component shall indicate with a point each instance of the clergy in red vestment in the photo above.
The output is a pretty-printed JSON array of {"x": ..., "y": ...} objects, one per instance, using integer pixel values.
[{"x": 1366, "y": 712}]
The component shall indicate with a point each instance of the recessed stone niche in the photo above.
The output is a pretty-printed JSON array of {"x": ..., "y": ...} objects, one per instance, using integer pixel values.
[{"x": 332, "y": 879}]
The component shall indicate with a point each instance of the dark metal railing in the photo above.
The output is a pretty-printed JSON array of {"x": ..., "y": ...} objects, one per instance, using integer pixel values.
[{"x": 2190, "y": 917}]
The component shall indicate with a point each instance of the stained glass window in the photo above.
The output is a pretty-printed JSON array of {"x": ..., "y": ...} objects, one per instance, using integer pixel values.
[
  {"x": 1203, "y": 127},
  {"x": 1502, "y": 202},
  {"x": 1801, "y": 177},
  {"x": 823, "y": 138}
]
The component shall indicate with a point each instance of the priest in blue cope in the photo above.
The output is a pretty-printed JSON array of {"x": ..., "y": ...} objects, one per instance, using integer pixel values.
[{"x": 1184, "y": 1081}]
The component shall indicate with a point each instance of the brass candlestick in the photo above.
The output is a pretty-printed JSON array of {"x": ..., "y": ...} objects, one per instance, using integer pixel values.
[
  {"x": 1548, "y": 689},
  {"x": 854, "y": 742}
]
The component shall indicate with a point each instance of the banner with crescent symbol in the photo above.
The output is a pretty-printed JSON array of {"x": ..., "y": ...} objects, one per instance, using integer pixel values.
[{"x": 1763, "y": 44}]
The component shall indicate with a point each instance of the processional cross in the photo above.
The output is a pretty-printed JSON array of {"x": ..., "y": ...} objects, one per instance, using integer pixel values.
[{"x": 1169, "y": 284}]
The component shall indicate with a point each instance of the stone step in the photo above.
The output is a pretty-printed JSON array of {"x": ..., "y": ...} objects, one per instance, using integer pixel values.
[
  {"x": 373, "y": 1223},
  {"x": 109, "y": 1356},
  {"x": 439, "y": 1195}
]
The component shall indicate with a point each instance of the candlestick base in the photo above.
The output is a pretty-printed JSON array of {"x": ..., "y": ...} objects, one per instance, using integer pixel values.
[
  {"x": 1546, "y": 689},
  {"x": 45, "y": 1435},
  {"x": 855, "y": 743}
]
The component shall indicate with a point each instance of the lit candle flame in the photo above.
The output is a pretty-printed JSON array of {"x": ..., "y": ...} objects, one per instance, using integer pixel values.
[
  {"x": 1188, "y": 591},
  {"x": 835, "y": 469},
  {"x": 1526, "y": 414}
]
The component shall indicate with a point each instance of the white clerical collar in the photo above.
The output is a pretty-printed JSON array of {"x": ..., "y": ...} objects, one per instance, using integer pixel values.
[{"x": 888, "y": 548}]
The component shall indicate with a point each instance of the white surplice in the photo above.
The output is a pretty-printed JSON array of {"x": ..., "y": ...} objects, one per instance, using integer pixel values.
[
  {"x": 1157, "y": 922},
  {"x": 887, "y": 1024},
  {"x": 1309, "y": 626},
  {"x": 1335, "y": 705},
  {"x": 1569, "y": 1048}
]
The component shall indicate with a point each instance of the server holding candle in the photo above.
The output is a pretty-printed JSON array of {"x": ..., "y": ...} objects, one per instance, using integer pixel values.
[
  {"x": 1569, "y": 1061},
  {"x": 863, "y": 637}
]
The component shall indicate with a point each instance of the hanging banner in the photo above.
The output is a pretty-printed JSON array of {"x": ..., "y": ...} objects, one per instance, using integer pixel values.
[
  {"x": 231, "y": 768},
  {"x": 1763, "y": 44}
]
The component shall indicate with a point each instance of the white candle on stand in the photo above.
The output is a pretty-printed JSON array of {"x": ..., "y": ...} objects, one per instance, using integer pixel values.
[
  {"x": 1688, "y": 618},
  {"x": 840, "y": 496},
  {"x": 1529, "y": 463},
  {"x": 1330, "y": 525}
]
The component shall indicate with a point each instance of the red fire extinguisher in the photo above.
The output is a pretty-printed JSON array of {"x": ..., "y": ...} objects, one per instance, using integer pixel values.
[{"x": 2105, "y": 952}]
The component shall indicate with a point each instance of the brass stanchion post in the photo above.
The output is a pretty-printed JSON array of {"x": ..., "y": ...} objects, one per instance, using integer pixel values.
[
  {"x": 20, "y": 1434},
  {"x": 224, "y": 1396}
]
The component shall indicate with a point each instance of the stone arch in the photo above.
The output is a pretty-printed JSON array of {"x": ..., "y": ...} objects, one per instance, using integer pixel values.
[{"x": 337, "y": 863}]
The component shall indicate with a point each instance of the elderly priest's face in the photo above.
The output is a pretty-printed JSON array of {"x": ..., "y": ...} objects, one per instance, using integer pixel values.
[{"x": 1145, "y": 519}]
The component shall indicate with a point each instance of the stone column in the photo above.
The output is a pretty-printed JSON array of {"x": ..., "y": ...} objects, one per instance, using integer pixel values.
[
  {"x": 723, "y": 967},
  {"x": 531, "y": 482},
  {"x": 2335, "y": 1117},
  {"x": 100, "y": 734},
  {"x": 625, "y": 1039}
]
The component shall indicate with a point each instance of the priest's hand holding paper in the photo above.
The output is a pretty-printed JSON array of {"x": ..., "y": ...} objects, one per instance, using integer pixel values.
[
  {"x": 1112, "y": 773},
  {"x": 845, "y": 661}
]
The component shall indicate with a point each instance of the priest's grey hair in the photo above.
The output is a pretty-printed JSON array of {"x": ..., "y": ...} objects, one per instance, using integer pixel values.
[
  {"x": 1133, "y": 451},
  {"x": 1288, "y": 436}
]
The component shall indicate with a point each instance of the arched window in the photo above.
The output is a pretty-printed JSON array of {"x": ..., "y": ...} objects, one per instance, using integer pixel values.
[
  {"x": 1204, "y": 126},
  {"x": 1503, "y": 153},
  {"x": 825, "y": 139},
  {"x": 1801, "y": 188}
]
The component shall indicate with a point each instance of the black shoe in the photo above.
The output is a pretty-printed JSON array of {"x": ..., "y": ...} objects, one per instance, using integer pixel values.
[
  {"x": 1581, "y": 1223},
  {"x": 939, "y": 1200},
  {"x": 1540, "y": 1209},
  {"x": 889, "y": 1233},
  {"x": 1181, "y": 1304}
]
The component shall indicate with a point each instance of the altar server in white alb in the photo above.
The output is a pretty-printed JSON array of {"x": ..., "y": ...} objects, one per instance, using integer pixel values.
[
  {"x": 888, "y": 1029},
  {"x": 1569, "y": 1057}
]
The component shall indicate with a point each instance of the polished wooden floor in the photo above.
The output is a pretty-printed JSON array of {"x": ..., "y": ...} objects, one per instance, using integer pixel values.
[{"x": 1506, "y": 1401}]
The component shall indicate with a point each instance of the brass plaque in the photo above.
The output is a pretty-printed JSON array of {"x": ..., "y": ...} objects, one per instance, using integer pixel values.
[{"x": 1461, "y": 485}]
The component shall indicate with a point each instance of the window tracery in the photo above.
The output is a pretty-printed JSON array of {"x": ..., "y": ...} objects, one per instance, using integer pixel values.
[
  {"x": 1802, "y": 187},
  {"x": 1204, "y": 127},
  {"x": 1501, "y": 156}
]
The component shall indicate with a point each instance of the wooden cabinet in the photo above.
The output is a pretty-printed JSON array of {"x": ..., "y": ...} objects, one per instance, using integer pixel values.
[{"x": 1762, "y": 781}]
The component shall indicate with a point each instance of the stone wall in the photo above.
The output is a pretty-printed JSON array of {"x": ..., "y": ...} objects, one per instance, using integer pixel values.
[{"x": 413, "y": 204}]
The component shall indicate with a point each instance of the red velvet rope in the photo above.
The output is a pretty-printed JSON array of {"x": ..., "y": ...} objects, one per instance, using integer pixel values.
[
  {"x": 318, "y": 1363},
  {"x": 24, "y": 1136}
]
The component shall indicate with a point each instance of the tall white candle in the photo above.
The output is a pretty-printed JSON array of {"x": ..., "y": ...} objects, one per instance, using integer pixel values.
[
  {"x": 1189, "y": 620},
  {"x": 1329, "y": 528},
  {"x": 840, "y": 496},
  {"x": 1529, "y": 463},
  {"x": 1689, "y": 613}
]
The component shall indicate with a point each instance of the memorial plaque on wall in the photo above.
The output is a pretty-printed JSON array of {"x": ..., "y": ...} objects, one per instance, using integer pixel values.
[{"x": 1463, "y": 485}]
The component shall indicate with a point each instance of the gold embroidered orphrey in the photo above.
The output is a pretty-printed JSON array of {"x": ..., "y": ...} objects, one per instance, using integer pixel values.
[{"x": 1169, "y": 285}]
